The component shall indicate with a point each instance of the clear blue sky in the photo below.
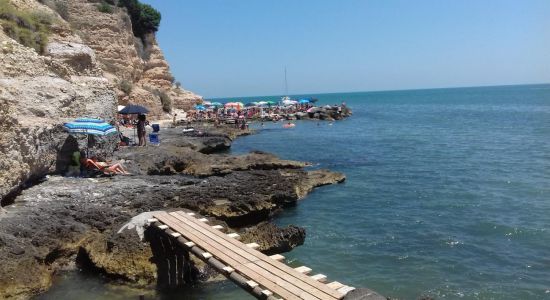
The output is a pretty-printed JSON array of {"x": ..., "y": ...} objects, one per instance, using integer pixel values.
[{"x": 222, "y": 48}]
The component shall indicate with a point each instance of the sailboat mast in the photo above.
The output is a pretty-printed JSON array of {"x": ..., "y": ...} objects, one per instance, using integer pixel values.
[{"x": 286, "y": 84}]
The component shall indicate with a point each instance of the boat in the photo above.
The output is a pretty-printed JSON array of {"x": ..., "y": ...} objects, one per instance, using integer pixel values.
[{"x": 287, "y": 99}]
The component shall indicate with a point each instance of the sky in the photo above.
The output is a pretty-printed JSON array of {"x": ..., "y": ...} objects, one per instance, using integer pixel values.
[{"x": 229, "y": 48}]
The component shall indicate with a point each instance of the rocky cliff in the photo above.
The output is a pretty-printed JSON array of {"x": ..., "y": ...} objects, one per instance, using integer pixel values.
[{"x": 84, "y": 62}]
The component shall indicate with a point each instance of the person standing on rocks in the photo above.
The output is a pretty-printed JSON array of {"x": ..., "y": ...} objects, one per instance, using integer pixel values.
[{"x": 141, "y": 130}]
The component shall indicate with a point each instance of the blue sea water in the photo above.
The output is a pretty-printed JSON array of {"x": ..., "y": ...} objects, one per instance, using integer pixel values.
[{"x": 447, "y": 193}]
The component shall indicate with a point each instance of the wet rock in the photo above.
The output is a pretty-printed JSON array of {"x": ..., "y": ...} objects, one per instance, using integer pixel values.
[{"x": 273, "y": 239}]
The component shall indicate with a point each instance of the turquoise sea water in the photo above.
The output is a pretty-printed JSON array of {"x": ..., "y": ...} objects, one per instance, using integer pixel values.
[{"x": 447, "y": 194}]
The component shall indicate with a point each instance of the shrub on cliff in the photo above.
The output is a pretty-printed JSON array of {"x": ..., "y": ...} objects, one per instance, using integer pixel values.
[
  {"x": 165, "y": 100},
  {"x": 59, "y": 6},
  {"x": 105, "y": 7},
  {"x": 126, "y": 86},
  {"x": 30, "y": 29},
  {"x": 145, "y": 19}
]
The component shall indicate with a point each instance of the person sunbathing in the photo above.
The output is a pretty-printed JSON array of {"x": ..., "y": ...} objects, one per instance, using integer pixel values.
[{"x": 116, "y": 168}]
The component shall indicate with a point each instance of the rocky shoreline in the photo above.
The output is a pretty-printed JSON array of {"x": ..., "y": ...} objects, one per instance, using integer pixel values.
[{"x": 62, "y": 221}]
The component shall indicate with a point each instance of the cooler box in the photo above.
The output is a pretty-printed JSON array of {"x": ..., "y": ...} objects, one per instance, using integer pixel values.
[{"x": 154, "y": 138}]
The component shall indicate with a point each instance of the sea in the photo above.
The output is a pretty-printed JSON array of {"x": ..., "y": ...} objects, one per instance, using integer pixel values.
[{"x": 447, "y": 196}]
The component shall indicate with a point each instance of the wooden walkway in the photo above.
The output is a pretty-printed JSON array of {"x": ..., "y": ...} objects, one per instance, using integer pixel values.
[{"x": 261, "y": 275}]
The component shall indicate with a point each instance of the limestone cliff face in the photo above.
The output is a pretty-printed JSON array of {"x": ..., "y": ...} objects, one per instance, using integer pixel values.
[
  {"x": 136, "y": 67},
  {"x": 79, "y": 74}
]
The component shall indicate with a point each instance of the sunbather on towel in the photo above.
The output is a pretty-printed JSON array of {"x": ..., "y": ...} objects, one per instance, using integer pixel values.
[{"x": 116, "y": 168}]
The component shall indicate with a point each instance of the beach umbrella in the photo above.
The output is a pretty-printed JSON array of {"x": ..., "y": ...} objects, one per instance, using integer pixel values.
[
  {"x": 251, "y": 104},
  {"x": 134, "y": 109},
  {"x": 270, "y": 103},
  {"x": 304, "y": 101},
  {"x": 206, "y": 103},
  {"x": 90, "y": 126},
  {"x": 216, "y": 104},
  {"x": 200, "y": 107}
]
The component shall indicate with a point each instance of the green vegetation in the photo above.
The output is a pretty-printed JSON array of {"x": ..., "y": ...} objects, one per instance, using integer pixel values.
[
  {"x": 165, "y": 100},
  {"x": 145, "y": 19},
  {"x": 105, "y": 7},
  {"x": 59, "y": 6},
  {"x": 30, "y": 29},
  {"x": 126, "y": 86}
]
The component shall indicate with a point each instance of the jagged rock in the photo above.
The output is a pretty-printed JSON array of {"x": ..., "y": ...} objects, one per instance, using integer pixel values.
[
  {"x": 273, "y": 239},
  {"x": 62, "y": 218},
  {"x": 79, "y": 57}
]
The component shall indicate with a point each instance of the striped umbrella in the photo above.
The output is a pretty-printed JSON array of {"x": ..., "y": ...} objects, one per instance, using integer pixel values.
[{"x": 90, "y": 127}]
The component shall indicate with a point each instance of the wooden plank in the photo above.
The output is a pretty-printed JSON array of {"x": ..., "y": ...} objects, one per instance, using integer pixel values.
[
  {"x": 304, "y": 287},
  {"x": 304, "y": 281},
  {"x": 190, "y": 244},
  {"x": 276, "y": 264},
  {"x": 228, "y": 269},
  {"x": 319, "y": 277},
  {"x": 252, "y": 283},
  {"x": 253, "y": 245},
  {"x": 277, "y": 257},
  {"x": 346, "y": 289},
  {"x": 234, "y": 235},
  {"x": 176, "y": 234},
  {"x": 267, "y": 293},
  {"x": 283, "y": 282},
  {"x": 206, "y": 255},
  {"x": 163, "y": 227},
  {"x": 186, "y": 231},
  {"x": 335, "y": 285},
  {"x": 247, "y": 272},
  {"x": 330, "y": 293},
  {"x": 265, "y": 258},
  {"x": 279, "y": 280},
  {"x": 303, "y": 270}
]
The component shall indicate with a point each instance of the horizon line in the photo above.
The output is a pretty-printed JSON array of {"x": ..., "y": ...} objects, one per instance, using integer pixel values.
[{"x": 380, "y": 91}]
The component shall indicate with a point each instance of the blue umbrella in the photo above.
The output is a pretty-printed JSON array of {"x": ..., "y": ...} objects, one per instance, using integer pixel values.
[
  {"x": 304, "y": 101},
  {"x": 133, "y": 109},
  {"x": 200, "y": 107},
  {"x": 90, "y": 127}
]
